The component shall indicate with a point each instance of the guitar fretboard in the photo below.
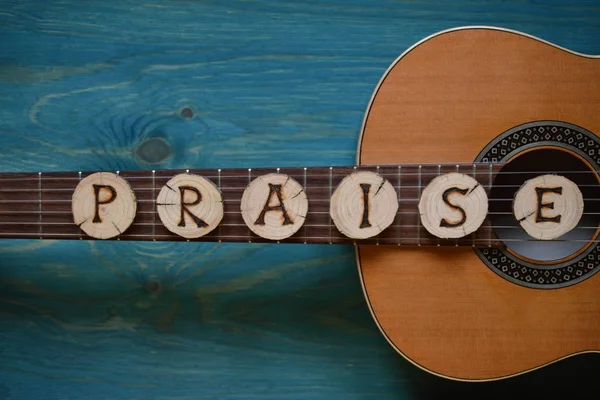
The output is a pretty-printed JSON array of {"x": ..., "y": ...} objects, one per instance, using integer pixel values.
[{"x": 38, "y": 205}]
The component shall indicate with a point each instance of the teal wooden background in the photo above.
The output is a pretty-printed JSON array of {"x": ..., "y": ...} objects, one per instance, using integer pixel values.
[{"x": 102, "y": 85}]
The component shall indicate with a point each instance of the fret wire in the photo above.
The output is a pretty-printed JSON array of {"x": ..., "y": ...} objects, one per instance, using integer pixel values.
[
  {"x": 490, "y": 191},
  {"x": 154, "y": 204},
  {"x": 278, "y": 169},
  {"x": 474, "y": 177},
  {"x": 40, "y": 205},
  {"x": 439, "y": 174},
  {"x": 220, "y": 191},
  {"x": 399, "y": 203},
  {"x": 458, "y": 172},
  {"x": 377, "y": 237},
  {"x": 330, "y": 194},
  {"x": 80, "y": 230},
  {"x": 419, "y": 219},
  {"x": 119, "y": 235},
  {"x": 249, "y": 181},
  {"x": 304, "y": 230}
]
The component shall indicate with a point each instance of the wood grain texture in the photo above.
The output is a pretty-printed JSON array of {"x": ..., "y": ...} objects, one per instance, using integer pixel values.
[
  {"x": 180, "y": 84},
  {"x": 466, "y": 87}
]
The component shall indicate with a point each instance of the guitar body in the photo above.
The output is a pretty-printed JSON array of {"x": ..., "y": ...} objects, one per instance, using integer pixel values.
[{"x": 445, "y": 100}]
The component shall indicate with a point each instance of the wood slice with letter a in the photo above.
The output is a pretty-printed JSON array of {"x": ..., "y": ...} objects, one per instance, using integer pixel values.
[{"x": 274, "y": 206}]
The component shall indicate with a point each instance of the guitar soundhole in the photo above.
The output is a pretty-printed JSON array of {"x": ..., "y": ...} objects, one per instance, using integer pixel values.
[
  {"x": 529, "y": 150},
  {"x": 528, "y": 165}
]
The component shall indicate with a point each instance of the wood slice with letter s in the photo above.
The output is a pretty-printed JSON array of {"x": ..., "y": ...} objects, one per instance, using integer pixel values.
[{"x": 444, "y": 100}]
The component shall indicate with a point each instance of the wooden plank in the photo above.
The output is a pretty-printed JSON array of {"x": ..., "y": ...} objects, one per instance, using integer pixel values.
[{"x": 137, "y": 85}]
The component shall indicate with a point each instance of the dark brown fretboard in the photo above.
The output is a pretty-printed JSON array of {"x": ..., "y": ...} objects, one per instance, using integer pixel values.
[{"x": 38, "y": 205}]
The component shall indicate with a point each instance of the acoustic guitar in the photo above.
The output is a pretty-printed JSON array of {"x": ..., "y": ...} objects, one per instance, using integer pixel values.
[{"x": 474, "y": 205}]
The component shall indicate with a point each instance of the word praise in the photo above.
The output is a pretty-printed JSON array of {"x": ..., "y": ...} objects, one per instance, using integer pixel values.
[{"x": 274, "y": 206}]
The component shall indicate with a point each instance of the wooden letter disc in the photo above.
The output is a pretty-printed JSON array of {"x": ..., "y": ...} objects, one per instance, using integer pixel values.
[
  {"x": 453, "y": 205},
  {"x": 274, "y": 206},
  {"x": 548, "y": 206},
  {"x": 363, "y": 205},
  {"x": 190, "y": 205},
  {"x": 103, "y": 205}
]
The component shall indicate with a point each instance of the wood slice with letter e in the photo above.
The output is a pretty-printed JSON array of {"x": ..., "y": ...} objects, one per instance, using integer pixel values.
[{"x": 548, "y": 206}]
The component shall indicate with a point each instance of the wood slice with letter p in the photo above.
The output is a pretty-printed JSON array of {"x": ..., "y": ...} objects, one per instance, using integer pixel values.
[
  {"x": 274, "y": 206},
  {"x": 103, "y": 205},
  {"x": 190, "y": 205}
]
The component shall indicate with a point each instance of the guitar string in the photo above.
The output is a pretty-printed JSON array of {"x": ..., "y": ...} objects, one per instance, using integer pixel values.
[
  {"x": 153, "y": 202},
  {"x": 69, "y": 212},
  {"x": 326, "y": 187},
  {"x": 298, "y": 171},
  {"x": 316, "y": 200},
  {"x": 299, "y": 238},
  {"x": 472, "y": 237},
  {"x": 483, "y": 227}
]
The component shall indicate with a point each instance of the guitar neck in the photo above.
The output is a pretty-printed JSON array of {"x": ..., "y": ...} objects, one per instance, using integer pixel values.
[{"x": 38, "y": 205}]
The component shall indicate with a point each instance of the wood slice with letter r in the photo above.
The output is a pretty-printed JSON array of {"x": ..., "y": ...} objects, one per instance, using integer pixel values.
[{"x": 190, "y": 205}]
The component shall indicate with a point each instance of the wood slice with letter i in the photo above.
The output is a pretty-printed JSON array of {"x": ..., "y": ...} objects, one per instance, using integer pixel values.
[
  {"x": 103, "y": 205},
  {"x": 363, "y": 205},
  {"x": 274, "y": 206},
  {"x": 190, "y": 205}
]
